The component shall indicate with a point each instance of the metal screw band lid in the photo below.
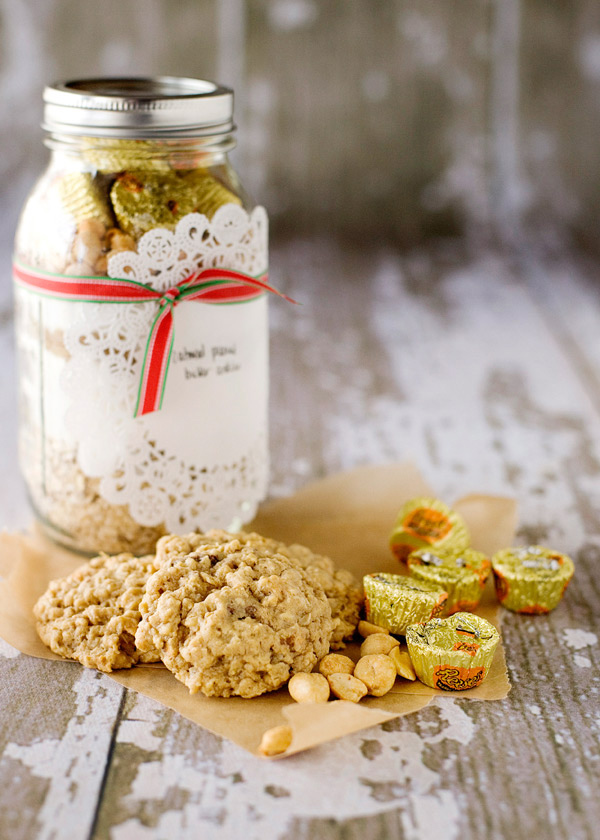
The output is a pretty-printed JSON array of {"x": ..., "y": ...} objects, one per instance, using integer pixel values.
[{"x": 160, "y": 106}]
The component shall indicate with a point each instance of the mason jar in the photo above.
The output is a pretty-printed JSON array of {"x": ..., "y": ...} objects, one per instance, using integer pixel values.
[{"x": 141, "y": 318}]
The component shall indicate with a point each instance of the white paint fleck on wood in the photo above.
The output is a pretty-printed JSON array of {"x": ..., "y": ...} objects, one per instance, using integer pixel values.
[
  {"x": 8, "y": 651},
  {"x": 138, "y": 727},
  {"x": 366, "y": 773},
  {"x": 74, "y": 764},
  {"x": 577, "y": 639}
]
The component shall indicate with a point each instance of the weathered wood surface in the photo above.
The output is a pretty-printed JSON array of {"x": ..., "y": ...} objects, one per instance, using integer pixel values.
[{"x": 485, "y": 369}]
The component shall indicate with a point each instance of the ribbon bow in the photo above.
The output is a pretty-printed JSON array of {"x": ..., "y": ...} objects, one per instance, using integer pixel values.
[{"x": 209, "y": 285}]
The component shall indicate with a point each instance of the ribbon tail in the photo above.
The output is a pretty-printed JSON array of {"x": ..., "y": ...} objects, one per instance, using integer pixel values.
[
  {"x": 267, "y": 288},
  {"x": 221, "y": 275},
  {"x": 156, "y": 363}
]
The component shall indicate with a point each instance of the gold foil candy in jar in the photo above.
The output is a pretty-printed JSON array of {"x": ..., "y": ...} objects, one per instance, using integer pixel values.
[
  {"x": 462, "y": 575},
  {"x": 427, "y": 523},
  {"x": 531, "y": 580},
  {"x": 453, "y": 654},
  {"x": 145, "y": 200},
  {"x": 210, "y": 194},
  {"x": 116, "y": 155},
  {"x": 82, "y": 198},
  {"x": 395, "y": 601}
]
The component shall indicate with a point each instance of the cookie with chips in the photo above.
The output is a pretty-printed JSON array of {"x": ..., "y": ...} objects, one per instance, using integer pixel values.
[{"x": 340, "y": 586}]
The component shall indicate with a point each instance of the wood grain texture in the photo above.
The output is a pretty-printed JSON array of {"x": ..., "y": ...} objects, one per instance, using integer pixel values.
[
  {"x": 57, "y": 728},
  {"x": 372, "y": 116},
  {"x": 459, "y": 360},
  {"x": 559, "y": 87}
]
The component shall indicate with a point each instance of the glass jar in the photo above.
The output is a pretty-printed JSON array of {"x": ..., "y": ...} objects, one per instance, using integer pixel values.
[{"x": 141, "y": 318}]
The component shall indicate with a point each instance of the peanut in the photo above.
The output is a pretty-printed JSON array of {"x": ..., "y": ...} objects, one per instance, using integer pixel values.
[
  {"x": 101, "y": 264},
  {"x": 378, "y": 673},
  {"x": 378, "y": 643},
  {"x": 116, "y": 240},
  {"x": 94, "y": 226},
  {"x": 347, "y": 687},
  {"x": 80, "y": 269},
  {"x": 365, "y": 628},
  {"x": 276, "y": 741},
  {"x": 404, "y": 667},
  {"x": 309, "y": 688},
  {"x": 336, "y": 663},
  {"x": 86, "y": 248}
]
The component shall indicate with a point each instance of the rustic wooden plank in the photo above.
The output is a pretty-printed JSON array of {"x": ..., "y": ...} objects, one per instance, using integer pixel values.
[
  {"x": 12, "y": 490},
  {"x": 559, "y": 84},
  {"x": 365, "y": 118},
  {"x": 443, "y": 356},
  {"x": 566, "y": 286},
  {"x": 57, "y": 725}
]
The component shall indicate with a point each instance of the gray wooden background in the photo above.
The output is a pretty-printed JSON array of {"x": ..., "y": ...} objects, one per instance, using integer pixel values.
[{"x": 367, "y": 119}]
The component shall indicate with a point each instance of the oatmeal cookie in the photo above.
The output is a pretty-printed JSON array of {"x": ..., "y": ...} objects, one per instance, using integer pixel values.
[
  {"x": 339, "y": 585},
  {"x": 230, "y": 617},
  {"x": 92, "y": 614}
]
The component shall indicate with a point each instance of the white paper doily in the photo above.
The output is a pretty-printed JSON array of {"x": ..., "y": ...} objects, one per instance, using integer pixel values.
[{"x": 202, "y": 460}]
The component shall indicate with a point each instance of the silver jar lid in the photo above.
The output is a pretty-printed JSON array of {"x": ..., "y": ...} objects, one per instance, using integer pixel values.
[{"x": 159, "y": 106}]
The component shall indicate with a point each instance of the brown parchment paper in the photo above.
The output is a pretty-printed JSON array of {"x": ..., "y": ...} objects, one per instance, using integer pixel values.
[{"x": 348, "y": 517}]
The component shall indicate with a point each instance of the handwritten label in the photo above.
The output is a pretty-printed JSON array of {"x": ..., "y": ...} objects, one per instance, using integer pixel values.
[{"x": 202, "y": 361}]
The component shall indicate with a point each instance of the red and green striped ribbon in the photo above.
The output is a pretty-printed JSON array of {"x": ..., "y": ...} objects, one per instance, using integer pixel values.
[{"x": 208, "y": 285}]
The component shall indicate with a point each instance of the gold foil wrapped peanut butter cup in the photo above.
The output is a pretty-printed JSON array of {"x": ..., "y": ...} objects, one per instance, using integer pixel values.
[
  {"x": 531, "y": 580},
  {"x": 462, "y": 575},
  {"x": 210, "y": 193},
  {"x": 112, "y": 155},
  {"x": 143, "y": 200},
  {"x": 82, "y": 198},
  {"x": 395, "y": 601},
  {"x": 453, "y": 654},
  {"x": 427, "y": 523}
]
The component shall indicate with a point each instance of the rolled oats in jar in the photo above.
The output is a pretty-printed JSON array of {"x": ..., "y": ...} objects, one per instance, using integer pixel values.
[{"x": 141, "y": 310}]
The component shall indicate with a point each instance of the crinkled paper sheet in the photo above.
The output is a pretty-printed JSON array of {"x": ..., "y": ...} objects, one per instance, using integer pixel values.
[{"x": 346, "y": 516}]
